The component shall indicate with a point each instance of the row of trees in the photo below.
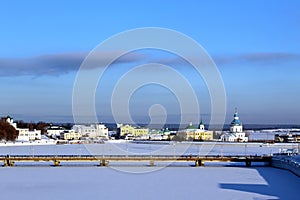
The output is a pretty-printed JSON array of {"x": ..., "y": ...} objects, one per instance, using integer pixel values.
[
  {"x": 32, "y": 125},
  {"x": 7, "y": 132},
  {"x": 40, "y": 125}
]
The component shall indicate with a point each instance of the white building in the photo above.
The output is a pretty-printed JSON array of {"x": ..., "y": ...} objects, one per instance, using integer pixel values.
[
  {"x": 236, "y": 133},
  {"x": 54, "y": 131},
  {"x": 102, "y": 130},
  {"x": 24, "y": 133},
  {"x": 93, "y": 131},
  {"x": 10, "y": 120},
  {"x": 159, "y": 134},
  {"x": 236, "y": 125},
  {"x": 84, "y": 130}
]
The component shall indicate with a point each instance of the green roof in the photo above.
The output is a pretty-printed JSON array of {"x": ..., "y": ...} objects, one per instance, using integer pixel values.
[
  {"x": 166, "y": 130},
  {"x": 191, "y": 127}
]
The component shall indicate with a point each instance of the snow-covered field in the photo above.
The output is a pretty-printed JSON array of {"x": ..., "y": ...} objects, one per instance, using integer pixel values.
[
  {"x": 169, "y": 183},
  {"x": 173, "y": 182}
]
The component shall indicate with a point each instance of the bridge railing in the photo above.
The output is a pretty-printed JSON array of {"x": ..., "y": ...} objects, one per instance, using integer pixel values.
[{"x": 131, "y": 156}]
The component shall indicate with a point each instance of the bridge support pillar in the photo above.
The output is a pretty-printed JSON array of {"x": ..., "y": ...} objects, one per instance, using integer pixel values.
[
  {"x": 8, "y": 163},
  {"x": 56, "y": 163},
  {"x": 199, "y": 163},
  {"x": 104, "y": 163},
  {"x": 151, "y": 163},
  {"x": 248, "y": 163}
]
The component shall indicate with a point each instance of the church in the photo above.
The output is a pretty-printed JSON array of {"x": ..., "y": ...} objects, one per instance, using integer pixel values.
[
  {"x": 236, "y": 133},
  {"x": 199, "y": 133}
]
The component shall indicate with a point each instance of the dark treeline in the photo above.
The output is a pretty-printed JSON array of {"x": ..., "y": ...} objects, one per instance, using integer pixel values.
[
  {"x": 32, "y": 125},
  {"x": 7, "y": 132},
  {"x": 40, "y": 125}
]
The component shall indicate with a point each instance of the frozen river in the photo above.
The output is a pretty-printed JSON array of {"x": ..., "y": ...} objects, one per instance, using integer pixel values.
[
  {"x": 172, "y": 148},
  {"x": 226, "y": 183},
  {"x": 144, "y": 182}
]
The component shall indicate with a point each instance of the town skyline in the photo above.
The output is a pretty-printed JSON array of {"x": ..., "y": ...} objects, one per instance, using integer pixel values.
[{"x": 254, "y": 45}]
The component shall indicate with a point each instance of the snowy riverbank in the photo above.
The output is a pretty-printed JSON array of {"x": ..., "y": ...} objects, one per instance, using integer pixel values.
[
  {"x": 34, "y": 143},
  {"x": 291, "y": 163}
]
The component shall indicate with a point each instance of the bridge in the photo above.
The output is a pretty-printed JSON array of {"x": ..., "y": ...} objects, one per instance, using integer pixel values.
[{"x": 103, "y": 160}]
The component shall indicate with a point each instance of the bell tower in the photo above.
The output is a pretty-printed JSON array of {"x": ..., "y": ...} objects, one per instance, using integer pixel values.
[{"x": 236, "y": 125}]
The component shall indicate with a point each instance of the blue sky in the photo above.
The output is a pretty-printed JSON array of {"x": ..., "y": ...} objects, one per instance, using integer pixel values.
[{"x": 255, "y": 45}]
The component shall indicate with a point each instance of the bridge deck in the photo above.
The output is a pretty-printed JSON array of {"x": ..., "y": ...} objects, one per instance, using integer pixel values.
[{"x": 9, "y": 160}]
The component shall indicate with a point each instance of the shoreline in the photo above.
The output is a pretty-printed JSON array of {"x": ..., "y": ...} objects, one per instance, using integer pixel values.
[
  {"x": 11, "y": 144},
  {"x": 56, "y": 142}
]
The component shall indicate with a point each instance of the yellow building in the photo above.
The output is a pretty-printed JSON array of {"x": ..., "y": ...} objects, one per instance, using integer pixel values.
[
  {"x": 203, "y": 135},
  {"x": 132, "y": 131},
  {"x": 140, "y": 131},
  {"x": 196, "y": 133},
  {"x": 126, "y": 130},
  {"x": 70, "y": 135}
]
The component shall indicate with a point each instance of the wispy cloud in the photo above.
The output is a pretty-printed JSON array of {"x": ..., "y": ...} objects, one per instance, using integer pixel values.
[
  {"x": 261, "y": 58},
  {"x": 58, "y": 64}
]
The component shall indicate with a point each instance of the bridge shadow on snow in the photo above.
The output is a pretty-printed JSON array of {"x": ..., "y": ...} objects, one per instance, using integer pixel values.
[{"x": 281, "y": 184}]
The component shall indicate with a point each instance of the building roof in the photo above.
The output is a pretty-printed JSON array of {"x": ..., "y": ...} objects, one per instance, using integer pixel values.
[
  {"x": 201, "y": 122},
  {"x": 236, "y": 120},
  {"x": 191, "y": 126},
  {"x": 56, "y": 128},
  {"x": 166, "y": 130}
]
